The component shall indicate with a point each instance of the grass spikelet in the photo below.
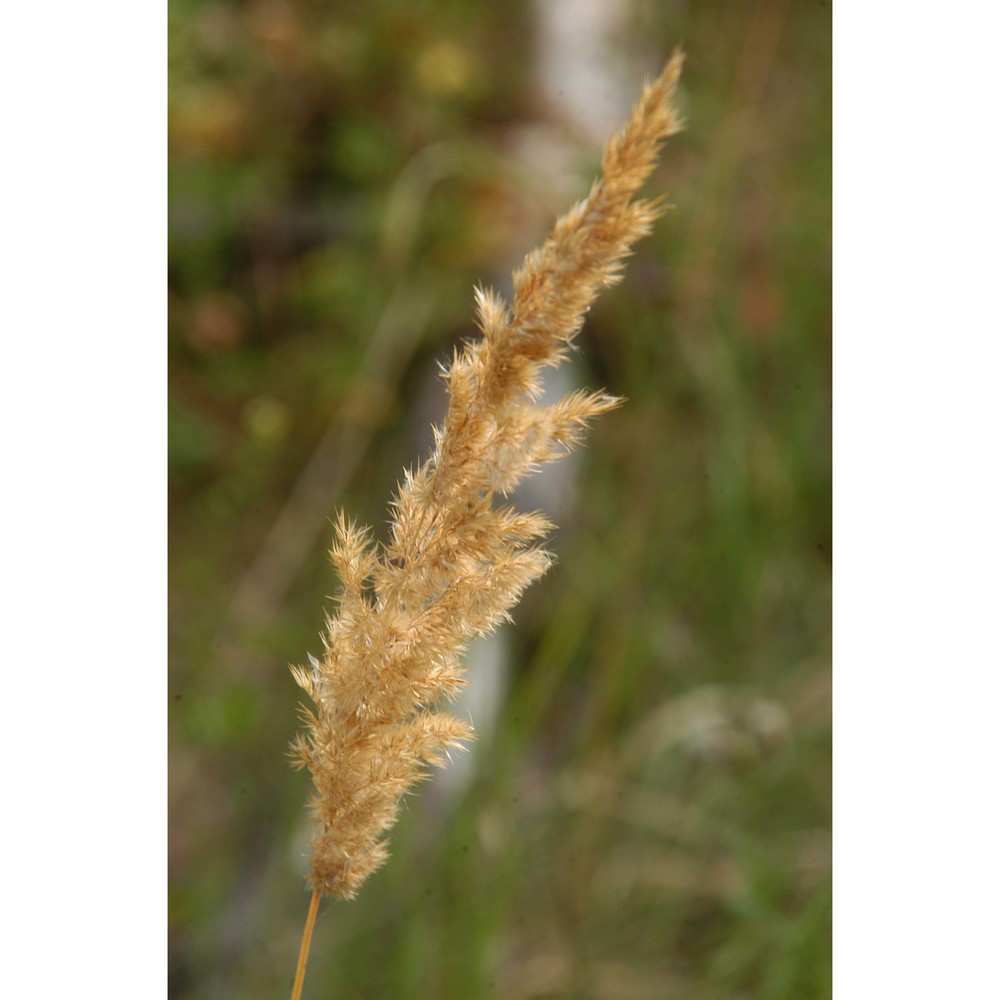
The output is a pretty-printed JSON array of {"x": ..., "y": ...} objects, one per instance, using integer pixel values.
[{"x": 456, "y": 560}]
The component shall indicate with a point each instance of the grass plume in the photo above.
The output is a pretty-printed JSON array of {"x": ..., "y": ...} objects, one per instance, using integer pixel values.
[{"x": 458, "y": 556}]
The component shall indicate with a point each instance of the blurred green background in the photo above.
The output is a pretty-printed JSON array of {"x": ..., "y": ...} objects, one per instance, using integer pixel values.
[{"x": 647, "y": 815}]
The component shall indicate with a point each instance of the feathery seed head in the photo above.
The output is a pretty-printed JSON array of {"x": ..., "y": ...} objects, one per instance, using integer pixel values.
[{"x": 455, "y": 564}]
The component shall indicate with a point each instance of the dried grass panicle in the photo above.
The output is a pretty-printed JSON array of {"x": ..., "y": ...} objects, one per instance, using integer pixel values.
[{"x": 456, "y": 561}]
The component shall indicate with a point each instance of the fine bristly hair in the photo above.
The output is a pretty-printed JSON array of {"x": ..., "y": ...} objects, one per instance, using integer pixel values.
[{"x": 458, "y": 558}]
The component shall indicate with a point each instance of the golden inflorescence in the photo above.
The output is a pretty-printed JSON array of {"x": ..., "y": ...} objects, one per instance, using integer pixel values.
[{"x": 456, "y": 561}]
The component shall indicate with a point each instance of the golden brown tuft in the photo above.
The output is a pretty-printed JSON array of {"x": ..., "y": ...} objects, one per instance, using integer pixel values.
[{"x": 455, "y": 563}]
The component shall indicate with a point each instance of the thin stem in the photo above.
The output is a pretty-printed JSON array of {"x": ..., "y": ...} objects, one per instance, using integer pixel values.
[{"x": 300, "y": 972}]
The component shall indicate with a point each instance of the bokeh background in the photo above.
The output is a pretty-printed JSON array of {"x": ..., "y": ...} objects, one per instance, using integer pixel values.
[{"x": 647, "y": 811}]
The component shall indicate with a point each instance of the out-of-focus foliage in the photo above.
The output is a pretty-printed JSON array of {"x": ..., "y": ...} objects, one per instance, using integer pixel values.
[{"x": 652, "y": 816}]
